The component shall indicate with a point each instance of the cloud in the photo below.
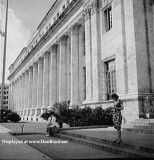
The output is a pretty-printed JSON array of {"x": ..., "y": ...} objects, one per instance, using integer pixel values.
[{"x": 17, "y": 38}]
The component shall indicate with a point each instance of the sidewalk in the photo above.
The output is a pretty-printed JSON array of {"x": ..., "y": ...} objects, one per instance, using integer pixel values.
[
  {"x": 65, "y": 150},
  {"x": 17, "y": 151}
]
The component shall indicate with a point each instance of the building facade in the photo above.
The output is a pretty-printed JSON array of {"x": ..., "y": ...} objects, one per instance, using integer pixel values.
[
  {"x": 5, "y": 98},
  {"x": 82, "y": 52}
]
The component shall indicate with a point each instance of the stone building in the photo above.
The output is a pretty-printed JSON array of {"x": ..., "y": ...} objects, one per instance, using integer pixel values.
[
  {"x": 6, "y": 96},
  {"x": 82, "y": 52}
]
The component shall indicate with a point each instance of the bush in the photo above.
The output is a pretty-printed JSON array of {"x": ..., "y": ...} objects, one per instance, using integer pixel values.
[
  {"x": 13, "y": 117},
  {"x": 75, "y": 116},
  {"x": 5, "y": 114},
  {"x": 45, "y": 115}
]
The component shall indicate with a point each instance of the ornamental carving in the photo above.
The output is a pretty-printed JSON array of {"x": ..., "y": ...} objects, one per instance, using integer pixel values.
[
  {"x": 62, "y": 40},
  {"x": 94, "y": 6},
  {"x": 87, "y": 13},
  {"x": 74, "y": 28},
  {"x": 103, "y": 3}
]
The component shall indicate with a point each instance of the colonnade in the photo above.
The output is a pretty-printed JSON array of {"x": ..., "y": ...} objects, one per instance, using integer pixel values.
[
  {"x": 56, "y": 76},
  {"x": 69, "y": 70}
]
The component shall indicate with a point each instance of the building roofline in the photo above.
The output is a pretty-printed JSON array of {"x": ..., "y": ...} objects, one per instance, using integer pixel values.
[{"x": 47, "y": 13}]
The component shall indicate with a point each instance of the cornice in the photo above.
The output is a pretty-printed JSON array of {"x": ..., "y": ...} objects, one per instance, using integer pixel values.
[{"x": 46, "y": 36}]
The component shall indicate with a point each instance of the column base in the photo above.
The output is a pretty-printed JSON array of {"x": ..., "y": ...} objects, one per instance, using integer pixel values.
[
  {"x": 21, "y": 113},
  {"x": 37, "y": 112},
  {"x": 32, "y": 112},
  {"x": 43, "y": 109}
]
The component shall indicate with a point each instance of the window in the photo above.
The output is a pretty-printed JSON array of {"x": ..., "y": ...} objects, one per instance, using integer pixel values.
[
  {"x": 111, "y": 78},
  {"x": 108, "y": 18},
  {"x": 63, "y": 8}
]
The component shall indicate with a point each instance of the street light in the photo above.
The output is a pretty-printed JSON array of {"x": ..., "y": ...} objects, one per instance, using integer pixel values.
[{"x": 4, "y": 59}]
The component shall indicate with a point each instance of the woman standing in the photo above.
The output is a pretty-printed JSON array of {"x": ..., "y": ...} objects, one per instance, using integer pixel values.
[{"x": 117, "y": 117}]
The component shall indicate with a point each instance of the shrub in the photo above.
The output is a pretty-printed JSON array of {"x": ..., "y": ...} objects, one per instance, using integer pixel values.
[
  {"x": 13, "y": 117},
  {"x": 5, "y": 114},
  {"x": 75, "y": 116},
  {"x": 45, "y": 115}
]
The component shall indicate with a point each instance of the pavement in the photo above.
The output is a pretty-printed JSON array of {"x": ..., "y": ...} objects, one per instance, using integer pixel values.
[
  {"x": 33, "y": 144},
  {"x": 13, "y": 148}
]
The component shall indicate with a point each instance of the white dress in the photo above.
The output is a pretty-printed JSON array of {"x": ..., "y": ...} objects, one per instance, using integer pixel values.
[{"x": 52, "y": 122}]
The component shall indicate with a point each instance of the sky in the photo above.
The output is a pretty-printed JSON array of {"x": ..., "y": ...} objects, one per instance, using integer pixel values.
[{"x": 24, "y": 16}]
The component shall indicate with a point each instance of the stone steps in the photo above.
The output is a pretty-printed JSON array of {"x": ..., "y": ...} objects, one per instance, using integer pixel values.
[
  {"x": 135, "y": 126},
  {"x": 131, "y": 129},
  {"x": 144, "y": 120},
  {"x": 140, "y": 125},
  {"x": 124, "y": 149}
]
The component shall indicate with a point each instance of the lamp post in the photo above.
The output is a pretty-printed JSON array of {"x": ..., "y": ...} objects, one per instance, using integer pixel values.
[{"x": 4, "y": 60}]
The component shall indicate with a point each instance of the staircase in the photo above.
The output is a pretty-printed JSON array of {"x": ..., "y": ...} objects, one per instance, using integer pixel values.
[
  {"x": 141, "y": 126},
  {"x": 136, "y": 140}
]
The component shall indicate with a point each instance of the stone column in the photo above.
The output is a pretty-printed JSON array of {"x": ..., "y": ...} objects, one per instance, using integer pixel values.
[
  {"x": 68, "y": 59},
  {"x": 34, "y": 96},
  {"x": 62, "y": 70},
  {"x": 39, "y": 87},
  {"x": 96, "y": 52},
  {"x": 45, "y": 81},
  {"x": 13, "y": 96},
  {"x": 82, "y": 87},
  {"x": 53, "y": 75},
  {"x": 89, "y": 89},
  {"x": 20, "y": 95},
  {"x": 26, "y": 93},
  {"x": 30, "y": 90},
  {"x": 75, "y": 65},
  {"x": 16, "y": 107},
  {"x": 23, "y": 93},
  {"x": 17, "y": 94}
]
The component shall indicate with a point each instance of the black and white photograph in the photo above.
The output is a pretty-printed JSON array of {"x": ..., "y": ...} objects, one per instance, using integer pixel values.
[{"x": 76, "y": 79}]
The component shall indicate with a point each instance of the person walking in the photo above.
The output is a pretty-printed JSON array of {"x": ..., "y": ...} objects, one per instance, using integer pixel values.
[{"x": 117, "y": 117}]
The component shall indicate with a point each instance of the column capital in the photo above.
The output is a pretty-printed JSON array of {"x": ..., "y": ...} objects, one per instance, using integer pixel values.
[
  {"x": 30, "y": 68},
  {"x": 40, "y": 60},
  {"x": 62, "y": 39},
  {"x": 87, "y": 12},
  {"x": 23, "y": 74},
  {"x": 82, "y": 18},
  {"x": 53, "y": 47},
  {"x": 74, "y": 28},
  {"x": 95, "y": 6},
  {"x": 27, "y": 70},
  {"x": 46, "y": 54},
  {"x": 35, "y": 64}
]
